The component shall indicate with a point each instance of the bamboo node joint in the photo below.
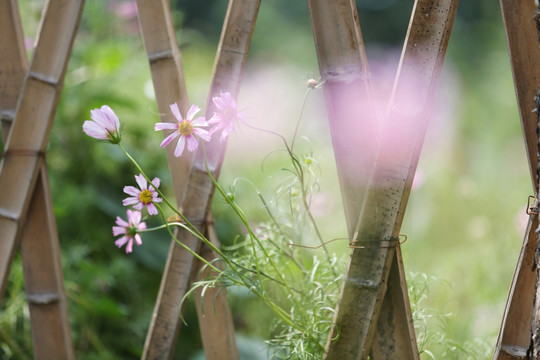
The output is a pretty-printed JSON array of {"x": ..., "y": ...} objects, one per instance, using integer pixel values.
[
  {"x": 49, "y": 80},
  {"x": 22, "y": 152},
  {"x": 43, "y": 299},
  {"x": 160, "y": 55}
]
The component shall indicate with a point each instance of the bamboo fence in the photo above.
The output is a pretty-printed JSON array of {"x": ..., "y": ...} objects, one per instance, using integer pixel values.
[
  {"x": 373, "y": 317},
  {"x": 515, "y": 333},
  {"x": 196, "y": 189},
  {"x": 26, "y": 214}
]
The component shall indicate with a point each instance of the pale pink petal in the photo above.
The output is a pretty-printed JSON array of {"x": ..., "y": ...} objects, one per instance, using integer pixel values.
[
  {"x": 112, "y": 119},
  {"x": 169, "y": 138},
  {"x": 176, "y": 111},
  {"x": 138, "y": 239},
  {"x": 156, "y": 182},
  {"x": 99, "y": 117},
  {"x": 218, "y": 102},
  {"x": 130, "y": 201},
  {"x": 193, "y": 110},
  {"x": 118, "y": 230},
  {"x": 156, "y": 199},
  {"x": 129, "y": 247},
  {"x": 121, "y": 241},
  {"x": 142, "y": 226},
  {"x": 121, "y": 222},
  {"x": 198, "y": 122},
  {"x": 203, "y": 134},
  {"x": 134, "y": 217},
  {"x": 152, "y": 209},
  {"x": 216, "y": 119},
  {"x": 141, "y": 181},
  {"x": 165, "y": 126},
  {"x": 94, "y": 130},
  {"x": 192, "y": 143},
  {"x": 138, "y": 206},
  {"x": 180, "y": 146},
  {"x": 226, "y": 132},
  {"x": 132, "y": 190}
]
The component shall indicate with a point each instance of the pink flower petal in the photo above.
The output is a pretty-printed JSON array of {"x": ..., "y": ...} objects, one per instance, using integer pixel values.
[
  {"x": 192, "y": 143},
  {"x": 134, "y": 217},
  {"x": 118, "y": 230},
  {"x": 176, "y": 111},
  {"x": 141, "y": 181},
  {"x": 138, "y": 239},
  {"x": 156, "y": 182},
  {"x": 94, "y": 130},
  {"x": 130, "y": 201},
  {"x": 112, "y": 119},
  {"x": 132, "y": 190},
  {"x": 152, "y": 209},
  {"x": 165, "y": 126},
  {"x": 121, "y": 241},
  {"x": 129, "y": 247},
  {"x": 169, "y": 138},
  {"x": 198, "y": 122},
  {"x": 203, "y": 134},
  {"x": 193, "y": 110},
  {"x": 180, "y": 146}
]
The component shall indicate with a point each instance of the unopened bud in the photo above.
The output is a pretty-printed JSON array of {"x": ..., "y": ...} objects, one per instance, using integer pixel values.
[{"x": 312, "y": 83}]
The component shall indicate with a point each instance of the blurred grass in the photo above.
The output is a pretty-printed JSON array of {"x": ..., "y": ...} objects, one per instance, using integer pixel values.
[{"x": 464, "y": 223}]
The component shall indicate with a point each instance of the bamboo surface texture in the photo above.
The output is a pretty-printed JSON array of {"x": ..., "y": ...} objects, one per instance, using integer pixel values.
[
  {"x": 215, "y": 317},
  {"x": 524, "y": 53},
  {"x": 232, "y": 53},
  {"x": 389, "y": 186},
  {"x": 23, "y": 152},
  {"x": 44, "y": 285},
  {"x": 514, "y": 335},
  {"x": 395, "y": 338}
]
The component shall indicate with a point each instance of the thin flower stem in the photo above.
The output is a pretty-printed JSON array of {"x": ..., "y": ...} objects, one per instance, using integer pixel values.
[{"x": 300, "y": 117}]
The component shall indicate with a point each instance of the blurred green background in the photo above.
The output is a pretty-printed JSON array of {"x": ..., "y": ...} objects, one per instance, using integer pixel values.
[{"x": 466, "y": 215}]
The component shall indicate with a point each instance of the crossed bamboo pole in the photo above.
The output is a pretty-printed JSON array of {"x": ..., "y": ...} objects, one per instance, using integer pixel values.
[
  {"x": 26, "y": 212},
  {"x": 515, "y": 333},
  {"x": 193, "y": 187},
  {"x": 375, "y": 209}
]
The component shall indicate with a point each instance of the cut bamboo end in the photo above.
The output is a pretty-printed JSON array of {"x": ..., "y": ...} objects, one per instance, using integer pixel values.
[{"x": 515, "y": 352}]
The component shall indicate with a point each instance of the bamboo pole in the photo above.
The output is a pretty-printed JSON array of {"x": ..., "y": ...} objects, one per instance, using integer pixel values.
[
  {"x": 389, "y": 186},
  {"x": 514, "y": 335},
  {"x": 525, "y": 61},
  {"x": 521, "y": 35},
  {"x": 219, "y": 342},
  {"x": 28, "y": 138},
  {"x": 40, "y": 250},
  {"x": 336, "y": 51},
  {"x": 13, "y": 61},
  {"x": 231, "y": 57}
]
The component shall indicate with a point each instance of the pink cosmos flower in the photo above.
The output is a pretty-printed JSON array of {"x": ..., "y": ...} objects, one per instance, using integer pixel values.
[
  {"x": 226, "y": 115},
  {"x": 130, "y": 229},
  {"x": 189, "y": 129},
  {"x": 104, "y": 125},
  {"x": 144, "y": 196}
]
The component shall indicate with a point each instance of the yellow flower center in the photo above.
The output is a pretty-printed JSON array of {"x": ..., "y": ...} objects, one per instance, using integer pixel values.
[
  {"x": 145, "y": 197},
  {"x": 185, "y": 128}
]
